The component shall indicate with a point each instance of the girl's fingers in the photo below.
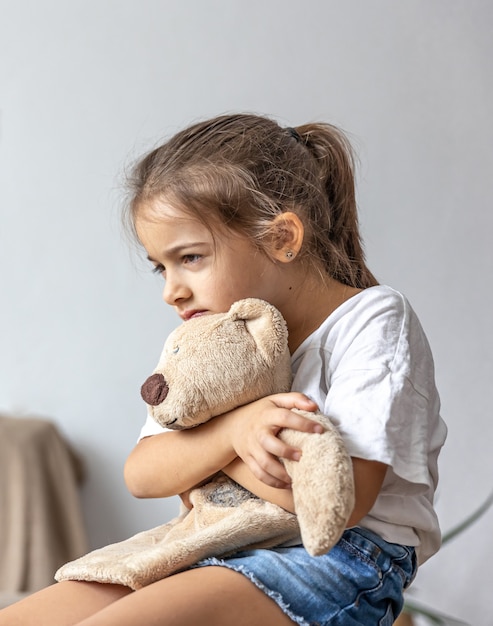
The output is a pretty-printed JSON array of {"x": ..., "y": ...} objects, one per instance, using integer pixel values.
[
  {"x": 255, "y": 434},
  {"x": 279, "y": 449},
  {"x": 271, "y": 473},
  {"x": 293, "y": 400},
  {"x": 267, "y": 463},
  {"x": 264, "y": 462},
  {"x": 295, "y": 421}
]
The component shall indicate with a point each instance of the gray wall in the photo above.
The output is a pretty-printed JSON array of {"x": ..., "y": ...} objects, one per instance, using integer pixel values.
[{"x": 86, "y": 86}]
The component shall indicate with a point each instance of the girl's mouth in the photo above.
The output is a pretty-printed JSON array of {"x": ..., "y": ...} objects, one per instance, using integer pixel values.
[{"x": 188, "y": 315}]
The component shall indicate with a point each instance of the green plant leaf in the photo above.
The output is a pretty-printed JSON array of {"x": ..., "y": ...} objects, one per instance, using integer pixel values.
[{"x": 456, "y": 530}]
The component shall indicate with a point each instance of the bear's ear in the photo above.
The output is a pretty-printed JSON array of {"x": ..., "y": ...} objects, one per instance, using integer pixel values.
[{"x": 264, "y": 323}]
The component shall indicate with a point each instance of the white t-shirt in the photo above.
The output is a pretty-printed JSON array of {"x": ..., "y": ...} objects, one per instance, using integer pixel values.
[{"x": 370, "y": 369}]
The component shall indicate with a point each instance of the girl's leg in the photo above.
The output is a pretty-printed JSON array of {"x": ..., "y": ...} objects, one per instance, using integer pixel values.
[
  {"x": 62, "y": 604},
  {"x": 215, "y": 596}
]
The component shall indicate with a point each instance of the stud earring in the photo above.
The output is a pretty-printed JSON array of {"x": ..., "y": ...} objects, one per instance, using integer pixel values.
[{"x": 290, "y": 254}]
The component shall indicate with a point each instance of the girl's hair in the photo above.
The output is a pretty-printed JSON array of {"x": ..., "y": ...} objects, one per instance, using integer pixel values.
[{"x": 242, "y": 171}]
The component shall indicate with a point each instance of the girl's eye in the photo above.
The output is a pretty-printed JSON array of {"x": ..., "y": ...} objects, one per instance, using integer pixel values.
[
  {"x": 187, "y": 259},
  {"x": 191, "y": 258}
]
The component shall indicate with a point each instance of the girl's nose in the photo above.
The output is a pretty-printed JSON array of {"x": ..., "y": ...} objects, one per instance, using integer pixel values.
[{"x": 174, "y": 291}]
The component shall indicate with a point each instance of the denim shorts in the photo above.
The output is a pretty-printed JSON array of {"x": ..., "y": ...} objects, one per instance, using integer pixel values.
[{"x": 359, "y": 582}]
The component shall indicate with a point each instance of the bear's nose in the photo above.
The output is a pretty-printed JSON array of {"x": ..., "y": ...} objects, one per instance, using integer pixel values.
[{"x": 154, "y": 390}]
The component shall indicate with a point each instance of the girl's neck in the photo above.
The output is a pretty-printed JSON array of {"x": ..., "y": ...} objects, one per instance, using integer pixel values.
[{"x": 312, "y": 302}]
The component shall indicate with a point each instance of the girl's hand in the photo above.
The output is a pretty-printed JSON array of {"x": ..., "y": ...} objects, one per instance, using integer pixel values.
[{"x": 254, "y": 430}]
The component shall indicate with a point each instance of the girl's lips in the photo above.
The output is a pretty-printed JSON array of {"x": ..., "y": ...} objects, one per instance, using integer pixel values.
[{"x": 187, "y": 315}]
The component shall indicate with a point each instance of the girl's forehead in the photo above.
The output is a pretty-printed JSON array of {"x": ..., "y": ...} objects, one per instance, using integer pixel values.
[
  {"x": 160, "y": 211},
  {"x": 168, "y": 229},
  {"x": 167, "y": 219},
  {"x": 165, "y": 227}
]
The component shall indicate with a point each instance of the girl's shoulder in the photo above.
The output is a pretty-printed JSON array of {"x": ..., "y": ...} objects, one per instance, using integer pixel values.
[
  {"x": 371, "y": 309},
  {"x": 379, "y": 297},
  {"x": 378, "y": 325},
  {"x": 368, "y": 302}
]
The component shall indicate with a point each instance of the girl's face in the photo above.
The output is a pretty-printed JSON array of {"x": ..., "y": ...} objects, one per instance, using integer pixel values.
[{"x": 204, "y": 275}]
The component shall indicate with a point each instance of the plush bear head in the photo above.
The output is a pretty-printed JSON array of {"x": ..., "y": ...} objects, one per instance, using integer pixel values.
[{"x": 214, "y": 363}]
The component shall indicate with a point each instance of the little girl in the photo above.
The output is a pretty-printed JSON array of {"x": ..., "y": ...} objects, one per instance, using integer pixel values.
[{"x": 239, "y": 207}]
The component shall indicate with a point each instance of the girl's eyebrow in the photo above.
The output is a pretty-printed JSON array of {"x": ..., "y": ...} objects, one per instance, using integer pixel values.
[{"x": 176, "y": 250}]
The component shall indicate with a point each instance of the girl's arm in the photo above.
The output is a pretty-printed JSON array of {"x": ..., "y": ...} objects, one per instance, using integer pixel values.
[
  {"x": 368, "y": 479},
  {"x": 244, "y": 444},
  {"x": 257, "y": 466},
  {"x": 171, "y": 463}
]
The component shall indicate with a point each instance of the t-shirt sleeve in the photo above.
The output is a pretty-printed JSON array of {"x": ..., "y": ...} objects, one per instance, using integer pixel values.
[
  {"x": 382, "y": 393},
  {"x": 382, "y": 417},
  {"x": 370, "y": 370},
  {"x": 374, "y": 375}
]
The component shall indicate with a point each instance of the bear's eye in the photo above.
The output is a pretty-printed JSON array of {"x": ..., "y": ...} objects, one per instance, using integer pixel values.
[{"x": 176, "y": 350}]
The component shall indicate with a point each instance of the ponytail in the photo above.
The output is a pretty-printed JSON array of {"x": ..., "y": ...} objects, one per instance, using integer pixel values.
[{"x": 334, "y": 155}]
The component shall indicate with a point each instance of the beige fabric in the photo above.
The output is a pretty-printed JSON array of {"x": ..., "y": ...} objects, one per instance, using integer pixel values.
[
  {"x": 226, "y": 518},
  {"x": 41, "y": 523}
]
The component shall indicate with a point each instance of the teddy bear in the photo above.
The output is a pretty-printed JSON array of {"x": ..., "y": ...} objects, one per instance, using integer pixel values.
[{"x": 210, "y": 365}]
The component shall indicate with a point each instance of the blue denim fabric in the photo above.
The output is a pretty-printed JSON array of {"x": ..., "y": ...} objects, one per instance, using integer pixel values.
[{"x": 360, "y": 582}]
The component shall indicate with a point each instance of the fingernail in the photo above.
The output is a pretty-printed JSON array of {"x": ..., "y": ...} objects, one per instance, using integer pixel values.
[
  {"x": 318, "y": 429},
  {"x": 296, "y": 456}
]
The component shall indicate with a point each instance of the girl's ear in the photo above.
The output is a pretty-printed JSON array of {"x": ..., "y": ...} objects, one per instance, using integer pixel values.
[{"x": 287, "y": 236}]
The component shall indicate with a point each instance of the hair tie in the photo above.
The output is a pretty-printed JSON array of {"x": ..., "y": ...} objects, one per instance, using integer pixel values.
[{"x": 294, "y": 134}]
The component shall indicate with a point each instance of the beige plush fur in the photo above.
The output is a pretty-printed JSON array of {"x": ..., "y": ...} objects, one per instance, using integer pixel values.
[{"x": 210, "y": 365}]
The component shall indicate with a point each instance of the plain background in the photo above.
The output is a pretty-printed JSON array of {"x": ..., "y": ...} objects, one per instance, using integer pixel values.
[{"x": 88, "y": 86}]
